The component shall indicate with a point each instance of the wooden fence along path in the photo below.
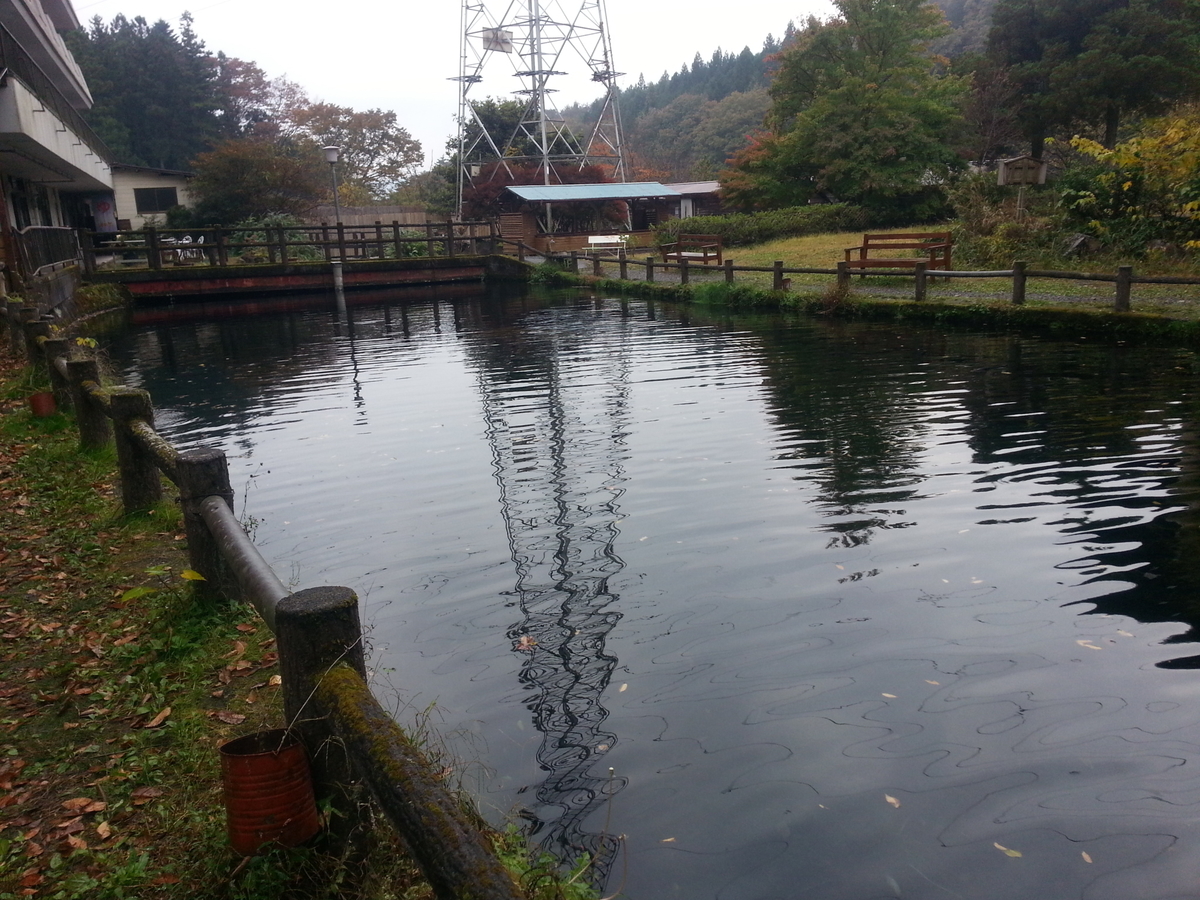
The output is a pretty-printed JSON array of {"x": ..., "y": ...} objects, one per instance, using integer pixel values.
[
  {"x": 1123, "y": 279},
  {"x": 154, "y": 248},
  {"x": 349, "y": 736}
]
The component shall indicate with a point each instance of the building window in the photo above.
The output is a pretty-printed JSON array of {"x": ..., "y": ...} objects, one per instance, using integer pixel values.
[{"x": 155, "y": 200}]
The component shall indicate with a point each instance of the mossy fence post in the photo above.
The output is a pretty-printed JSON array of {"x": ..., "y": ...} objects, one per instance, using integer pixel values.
[
  {"x": 315, "y": 629},
  {"x": 94, "y": 429},
  {"x": 729, "y": 271},
  {"x": 843, "y": 276},
  {"x": 141, "y": 485},
  {"x": 920, "y": 282},
  {"x": 777, "y": 275},
  {"x": 13, "y": 308},
  {"x": 684, "y": 272},
  {"x": 33, "y": 353},
  {"x": 649, "y": 269},
  {"x": 54, "y": 349},
  {"x": 199, "y": 474}
]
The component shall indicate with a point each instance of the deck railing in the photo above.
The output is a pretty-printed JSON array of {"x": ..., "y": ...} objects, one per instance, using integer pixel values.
[
  {"x": 41, "y": 247},
  {"x": 157, "y": 248},
  {"x": 349, "y": 735}
]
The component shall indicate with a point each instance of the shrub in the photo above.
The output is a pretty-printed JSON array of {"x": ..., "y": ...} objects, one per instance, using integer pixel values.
[{"x": 755, "y": 228}]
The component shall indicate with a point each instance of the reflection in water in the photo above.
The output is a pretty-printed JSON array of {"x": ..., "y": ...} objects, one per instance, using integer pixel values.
[{"x": 558, "y": 443}]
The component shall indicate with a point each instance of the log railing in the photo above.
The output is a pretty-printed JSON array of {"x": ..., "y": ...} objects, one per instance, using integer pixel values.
[
  {"x": 349, "y": 735},
  {"x": 156, "y": 248}
]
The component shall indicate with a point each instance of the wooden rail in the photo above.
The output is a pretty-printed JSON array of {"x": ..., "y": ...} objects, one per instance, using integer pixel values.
[
  {"x": 1123, "y": 279},
  {"x": 349, "y": 735},
  {"x": 154, "y": 248}
]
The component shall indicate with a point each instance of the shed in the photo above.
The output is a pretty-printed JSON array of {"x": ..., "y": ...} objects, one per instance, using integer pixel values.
[
  {"x": 143, "y": 192},
  {"x": 539, "y": 226}
]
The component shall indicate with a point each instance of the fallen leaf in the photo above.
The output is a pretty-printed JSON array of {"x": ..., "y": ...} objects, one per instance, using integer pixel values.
[
  {"x": 78, "y": 804},
  {"x": 246, "y": 628},
  {"x": 890, "y": 696},
  {"x": 1013, "y": 853},
  {"x": 892, "y": 800},
  {"x": 238, "y": 649},
  {"x": 166, "y": 879},
  {"x": 1089, "y": 645},
  {"x": 1086, "y": 858},
  {"x": 666, "y": 840},
  {"x": 192, "y": 575},
  {"x": 104, "y": 830},
  {"x": 525, "y": 643},
  {"x": 145, "y": 794},
  {"x": 159, "y": 719},
  {"x": 622, "y": 689},
  {"x": 275, "y": 680},
  {"x": 230, "y": 718},
  {"x": 33, "y": 850},
  {"x": 76, "y": 842},
  {"x": 927, "y": 681},
  {"x": 1124, "y": 633}
]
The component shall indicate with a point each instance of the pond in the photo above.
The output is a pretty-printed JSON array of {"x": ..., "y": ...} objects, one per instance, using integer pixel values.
[{"x": 744, "y": 607}]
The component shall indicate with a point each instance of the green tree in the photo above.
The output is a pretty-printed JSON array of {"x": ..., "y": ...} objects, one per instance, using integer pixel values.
[
  {"x": 858, "y": 112},
  {"x": 1094, "y": 62},
  {"x": 154, "y": 88}
]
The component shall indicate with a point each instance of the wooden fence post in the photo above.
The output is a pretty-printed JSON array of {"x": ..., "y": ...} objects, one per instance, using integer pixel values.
[
  {"x": 623, "y": 264},
  {"x": 596, "y": 270},
  {"x": 396, "y": 240},
  {"x": 315, "y": 629},
  {"x": 153, "y": 259},
  {"x": 729, "y": 271},
  {"x": 53, "y": 349},
  {"x": 33, "y": 353},
  {"x": 777, "y": 279},
  {"x": 13, "y": 307},
  {"x": 88, "y": 251},
  {"x": 843, "y": 276},
  {"x": 141, "y": 486},
  {"x": 520, "y": 251},
  {"x": 920, "y": 282},
  {"x": 574, "y": 262},
  {"x": 222, "y": 239},
  {"x": 94, "y": 430},
  {"x": 683, "y": 271},
  {"x": 650, "y": 269},
  {"x": 283, "y": 245},
  {"x": 199, "y": 474},
  {"x": 1124, "y": 283},
  {"x": 1018, "y": 287}
]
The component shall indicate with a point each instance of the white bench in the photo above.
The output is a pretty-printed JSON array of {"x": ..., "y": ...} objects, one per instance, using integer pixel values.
[{"x": 599, "y": 243}]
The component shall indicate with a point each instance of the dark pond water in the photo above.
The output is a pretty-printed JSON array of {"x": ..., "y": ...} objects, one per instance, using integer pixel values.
[{"x": 802, "y": 609}]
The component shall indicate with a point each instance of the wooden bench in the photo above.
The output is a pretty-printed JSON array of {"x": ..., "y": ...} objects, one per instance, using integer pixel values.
[
  {"x": 701, "y": 248},
  {"x": 933, "y": 246},
  {"x": 599, "y": 243}
]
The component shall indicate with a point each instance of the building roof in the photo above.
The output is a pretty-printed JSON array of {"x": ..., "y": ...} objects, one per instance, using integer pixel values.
[
  {"x": 690, "y": 188},
  {"x": 559, "y": 193},
  {"x": 151, "y": 170}
]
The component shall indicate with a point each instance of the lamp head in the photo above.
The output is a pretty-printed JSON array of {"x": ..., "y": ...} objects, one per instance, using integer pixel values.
[{"x": 332, "y": 153}]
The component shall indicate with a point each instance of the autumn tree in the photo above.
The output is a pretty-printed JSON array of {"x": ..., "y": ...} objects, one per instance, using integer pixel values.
[
  {"x": 249, "y": 178},
  {"x": 859, "y": 112}
]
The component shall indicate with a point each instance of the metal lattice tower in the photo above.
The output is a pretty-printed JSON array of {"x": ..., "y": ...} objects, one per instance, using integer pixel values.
[{"x": 535, "y": 41}]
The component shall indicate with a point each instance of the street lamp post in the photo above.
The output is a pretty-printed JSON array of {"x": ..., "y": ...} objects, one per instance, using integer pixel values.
[
  {"x": 332, "y": 154},
  {"x": 331, "y": 157}
]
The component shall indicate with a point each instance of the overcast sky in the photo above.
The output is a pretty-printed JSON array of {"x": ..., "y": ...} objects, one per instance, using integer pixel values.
[{"x": 399, "y": 54}]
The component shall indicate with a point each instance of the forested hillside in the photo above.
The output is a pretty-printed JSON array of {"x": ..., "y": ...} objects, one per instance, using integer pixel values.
[{"x": 685, "y": 125}]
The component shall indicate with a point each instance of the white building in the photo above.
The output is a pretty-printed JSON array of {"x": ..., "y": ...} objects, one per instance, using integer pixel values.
[{"x": 55, "y": 173}]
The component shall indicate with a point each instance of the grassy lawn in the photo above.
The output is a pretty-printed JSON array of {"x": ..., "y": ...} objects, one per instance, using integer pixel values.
[{"x": 826, "y": 250}]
